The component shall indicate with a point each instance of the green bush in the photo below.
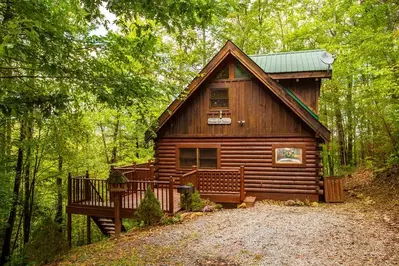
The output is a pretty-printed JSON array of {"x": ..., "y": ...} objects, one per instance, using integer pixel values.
[
  {"x": 149, "y": 210},
  {"x": 196, "y": 203},
  {"x": 192, "y": 202},
  {"x": 46, "y": 243}
]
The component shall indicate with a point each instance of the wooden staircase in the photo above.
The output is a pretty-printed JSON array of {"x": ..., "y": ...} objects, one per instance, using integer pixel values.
[{"x": 106, "y": 225}]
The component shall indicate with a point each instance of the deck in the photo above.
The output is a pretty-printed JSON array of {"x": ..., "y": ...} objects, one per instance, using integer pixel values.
[{"x": 89, "y": 196}]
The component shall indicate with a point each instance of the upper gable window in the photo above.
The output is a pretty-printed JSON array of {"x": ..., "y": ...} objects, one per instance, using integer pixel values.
[
  {"x": 219, "y": 98},
  {"x": 224, "y": 73},
  {"x": 240, "y": 71}
]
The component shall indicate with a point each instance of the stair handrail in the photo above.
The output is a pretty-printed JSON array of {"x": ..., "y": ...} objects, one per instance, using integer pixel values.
[{"x": 190, "y": 177}]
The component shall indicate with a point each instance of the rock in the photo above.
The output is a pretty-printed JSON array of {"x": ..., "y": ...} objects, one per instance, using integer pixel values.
[
  {"x": 290, "y": 203},
  {"x": 242, "y": 206},
  {"x": 208, "y": 208},
  {"x": 183, "y": 216},
  {"x": 315, "y": 204},
  {"x": 196, "y": 214}
]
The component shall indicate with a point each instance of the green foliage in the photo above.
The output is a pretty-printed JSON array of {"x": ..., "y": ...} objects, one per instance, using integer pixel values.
[
  {"x": 149, "y": 210},
  {"x": 47, "y": 243},
  {"x": 196, "y": 203},
  {"x": 166, "y": 219},
  {"x": 192, "y": 201}
]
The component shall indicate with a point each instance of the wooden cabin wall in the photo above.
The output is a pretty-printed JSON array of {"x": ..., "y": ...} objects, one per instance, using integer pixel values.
[
  {"x": 261, "y": 178},
  {"x": 267, "y": 121},
  {"x": 308, "y": 90},
  {"x": 249, "y": 101}
]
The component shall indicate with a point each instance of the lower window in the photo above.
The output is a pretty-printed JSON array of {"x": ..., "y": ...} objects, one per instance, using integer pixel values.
[
  {"x": 200, "y": 157},
  {"x": 289, "y": 155}
]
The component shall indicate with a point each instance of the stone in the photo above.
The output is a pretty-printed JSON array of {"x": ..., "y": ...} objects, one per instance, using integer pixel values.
[
  {"x": 208, "y": 208},
  {"x": 290, "y": 203},
  {"x": 315, "y": 204},
  {"x": 242, "y": 205}
]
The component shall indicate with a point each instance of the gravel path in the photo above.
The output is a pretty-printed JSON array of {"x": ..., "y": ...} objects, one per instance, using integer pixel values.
[
  {"x": 277, "y": 235},
  {"x": 269, "y": 234}
]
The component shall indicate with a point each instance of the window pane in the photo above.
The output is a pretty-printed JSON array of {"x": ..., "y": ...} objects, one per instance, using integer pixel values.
[
  {"x": 219, "y": 93},
  {"x": 208, "y": 158},
  {"x": 240, "y": 71},
  {"x": 289, "y": 155},
  {"x": 220, "y": 103},
  {"x": 187, "y": 157},
  {"x": 219, "y": 98},
  {"x": 223, "y": 74}
]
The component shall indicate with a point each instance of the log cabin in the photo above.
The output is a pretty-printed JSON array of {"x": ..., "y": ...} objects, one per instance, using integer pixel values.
[{"x": 258, "y": 113}]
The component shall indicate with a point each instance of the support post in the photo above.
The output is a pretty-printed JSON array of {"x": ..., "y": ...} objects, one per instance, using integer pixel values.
[
  {"x": 88, "y": 230},
  {"x": 69, "y": 188},
  {"x": 87, "y": 187},
  {"x": 152, "y": 176},
  {"x": 171, "y": 200},
  {"x": 242, "y": 188},
  {"x": 117, "y": 214},
  {"x": 69, "y": 229}
]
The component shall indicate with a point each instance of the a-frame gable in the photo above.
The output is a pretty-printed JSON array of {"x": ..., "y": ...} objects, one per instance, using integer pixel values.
[{"x": 231, "y": 49}]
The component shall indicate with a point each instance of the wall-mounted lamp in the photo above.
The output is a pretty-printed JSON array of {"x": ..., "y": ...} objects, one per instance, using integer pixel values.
[{"x": 241, "y": 122}]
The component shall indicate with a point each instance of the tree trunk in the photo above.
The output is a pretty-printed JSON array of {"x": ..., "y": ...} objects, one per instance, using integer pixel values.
[
  {"x": 341, "y": 135},
  {"x": 17, "y": 182},
  {"x": 115, "y": 148},
  {"x": 350, "y": 132},
  {"x": 58, "y": 214},
  {"x": 104, "y": 143},
  {"x": 27, "y": 198}
]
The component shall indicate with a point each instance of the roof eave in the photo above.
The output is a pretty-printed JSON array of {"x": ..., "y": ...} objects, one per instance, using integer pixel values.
[{"x": 302, "y": 75}]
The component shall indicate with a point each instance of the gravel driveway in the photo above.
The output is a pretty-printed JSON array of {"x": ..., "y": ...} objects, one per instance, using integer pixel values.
[
  {"x": 279, "y": 235},
  {"x": 268, "y": 234}
]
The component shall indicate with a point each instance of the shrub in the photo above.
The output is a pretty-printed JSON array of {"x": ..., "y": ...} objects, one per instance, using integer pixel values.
[
  {"x": 47, "y": 242},
  {"x": 191, "y": 202},
  {"x": 196, "y": 203},
  {"x": 149, "y": 210}
]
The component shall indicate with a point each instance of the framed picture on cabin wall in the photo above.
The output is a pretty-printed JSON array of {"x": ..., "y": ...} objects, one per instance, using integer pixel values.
[{"x": 289, "y": 155}]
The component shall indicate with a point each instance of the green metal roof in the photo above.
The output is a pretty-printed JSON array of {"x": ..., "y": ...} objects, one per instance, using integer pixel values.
[{"x": 299, "y": 61}]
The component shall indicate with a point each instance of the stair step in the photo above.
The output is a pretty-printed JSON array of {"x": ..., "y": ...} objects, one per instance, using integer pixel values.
[
  {"x": 250, "y": 201},
  {"x": 109, "y": 228},
  {"x": 105, "y": 220},
  {"x": 107, "y": 224}
]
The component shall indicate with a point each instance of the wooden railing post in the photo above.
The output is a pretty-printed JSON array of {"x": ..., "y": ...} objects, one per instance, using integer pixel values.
[
  {"x": 117, "y": 214},
  {"x": 242, "y": 188},
  {"x": 87, "y": 187},
  {"x": 69, "y": 188},
  {"x": 171, "y": 200},
  {"x": 151, "y": 173}
]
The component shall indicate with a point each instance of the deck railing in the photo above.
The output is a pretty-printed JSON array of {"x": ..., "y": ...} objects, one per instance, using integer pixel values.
[
  {"x": 216, "y": 181},
  {"x": 92, "y": 192}
]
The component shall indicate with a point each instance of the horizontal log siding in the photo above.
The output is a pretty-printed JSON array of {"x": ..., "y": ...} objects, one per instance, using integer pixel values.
[{"x": 256, "y": 155}]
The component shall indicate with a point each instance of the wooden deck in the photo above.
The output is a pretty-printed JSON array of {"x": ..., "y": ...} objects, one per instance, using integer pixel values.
[
  {"x": 91, "y": 197},
  {"x": 130, "y": 202}
]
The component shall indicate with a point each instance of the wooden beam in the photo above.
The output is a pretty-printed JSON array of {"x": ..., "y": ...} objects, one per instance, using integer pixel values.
[
  {"x": 242, "y": 188},
  {"x": 171, "y": 207},
  {"x": 302, "y": 75},
  {"x": 69, "y": 229},
  {"x": 88, "y": 231}
]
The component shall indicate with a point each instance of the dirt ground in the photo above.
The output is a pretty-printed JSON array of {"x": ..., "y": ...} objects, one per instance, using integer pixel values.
[{"x": 361, "y": 231}]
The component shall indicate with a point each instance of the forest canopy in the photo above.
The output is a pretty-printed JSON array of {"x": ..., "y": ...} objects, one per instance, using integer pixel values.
[{"x": 73, "y": 100}]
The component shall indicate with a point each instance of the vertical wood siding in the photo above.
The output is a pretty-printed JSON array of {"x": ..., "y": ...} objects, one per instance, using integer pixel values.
[{"x": 249, "y": 101}]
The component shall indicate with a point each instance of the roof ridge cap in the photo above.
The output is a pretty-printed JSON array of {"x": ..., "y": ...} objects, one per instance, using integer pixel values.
[{"x": 290, "y": 52}]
